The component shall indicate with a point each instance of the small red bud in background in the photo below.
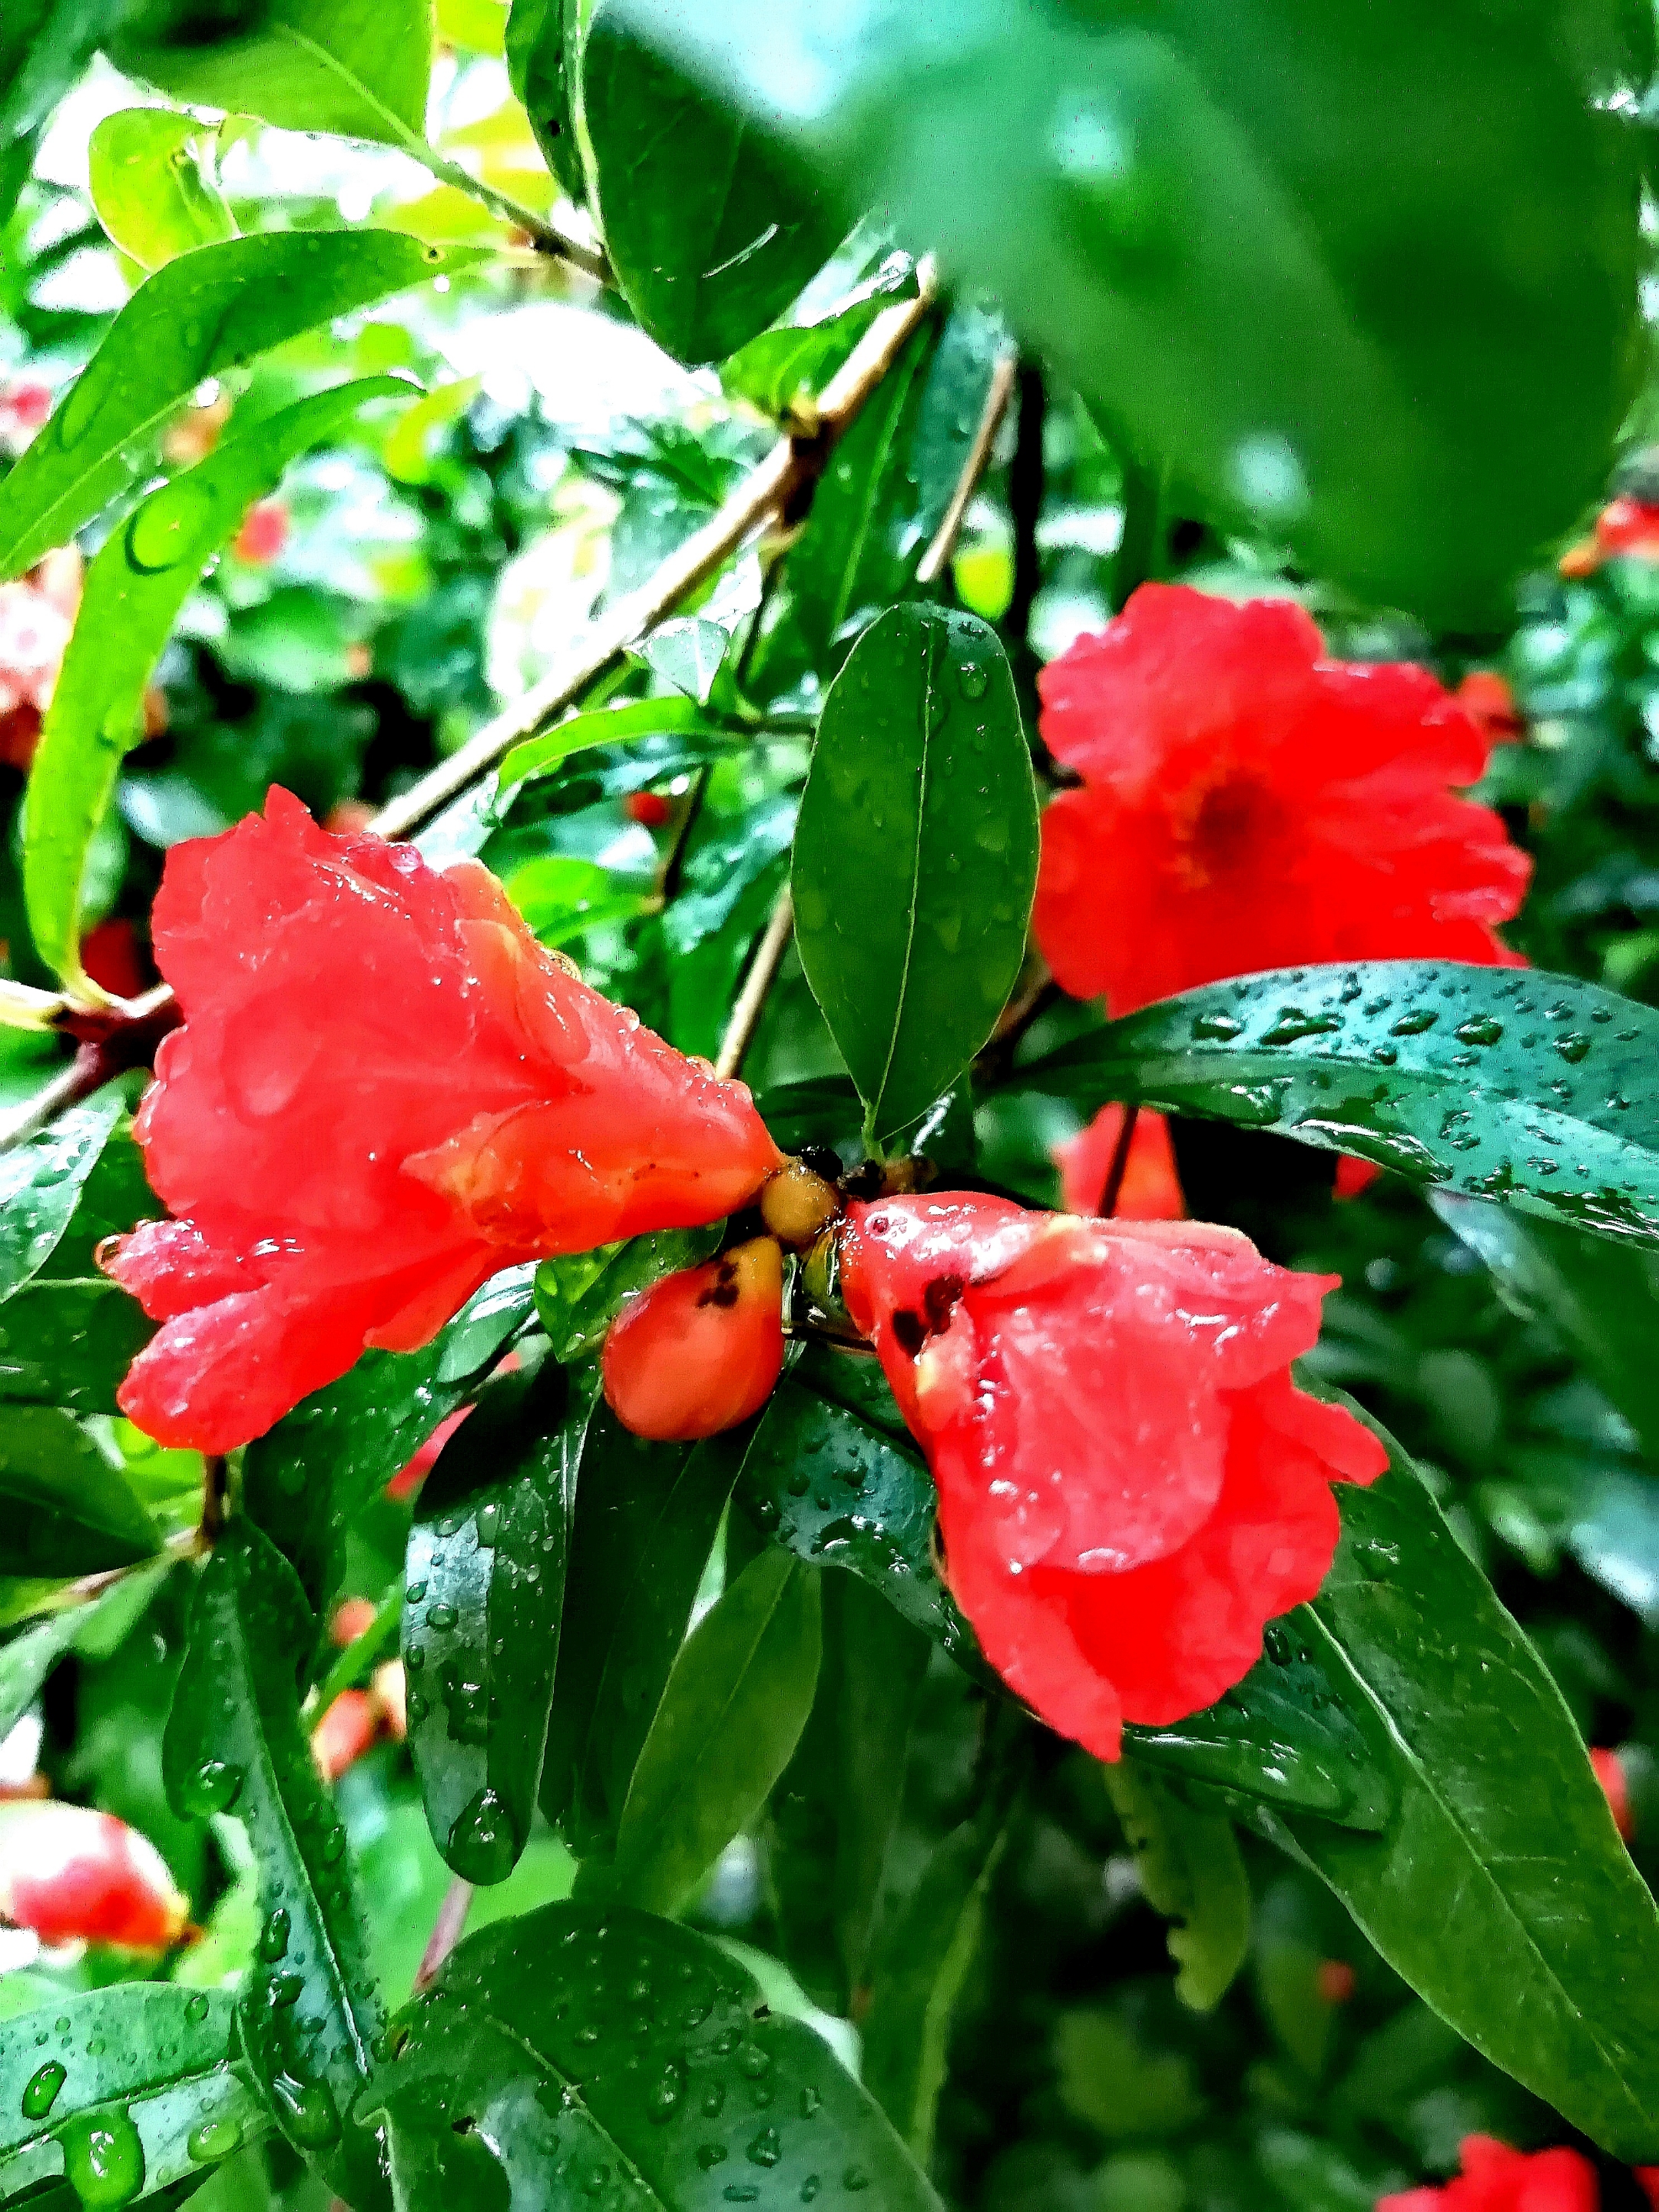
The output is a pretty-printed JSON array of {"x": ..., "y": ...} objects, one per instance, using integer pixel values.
[
  {"x": 1335, "y": 1981},
  {"x": 649, "y": 807},
  {"x": 345, "y": 1732},
  {"x": 409, "y": 1479},
  {"x": 1610, "y": 1773},
  {"x": 1354, "y": 1176},
  {"x": 1488, "y": 696},
  {"x": 74, "y": 1875},
  {"x": 263, "y": 532},
  {"x": 25, "y": 404},
  {"x": 700, "y": 1350},
  {"x": 353, "y": 1617},
  {"x": 1646, "y": 2178},
  {"x": 349, "y": 818},
  {"x": 111, "y": 956}
]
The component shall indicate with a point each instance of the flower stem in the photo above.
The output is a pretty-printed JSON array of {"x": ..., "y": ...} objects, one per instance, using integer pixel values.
[{"x": 1120, "y": 1162}]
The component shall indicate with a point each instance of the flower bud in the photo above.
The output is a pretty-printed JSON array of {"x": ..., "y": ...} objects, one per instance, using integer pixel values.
[
  {"x": 344, "y": 1733},
  {"x": 700, "y": 1350},
  {"x": 74, "y": 1875},
  {"x": 797, "y": 1204}
]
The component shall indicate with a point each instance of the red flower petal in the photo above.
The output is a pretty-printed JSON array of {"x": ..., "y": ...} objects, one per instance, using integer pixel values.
[
  {"x": 699, "y": 1351},
  {"x": 1496, "y": 2178},
  {"x": 75, "y": 1875},
  {"x": 384, "y": 1091},
  {"x": 1151, "y": 1189},
  {"x": 1130, "y": 1487},
  {"x": 1248, "y": 804}
]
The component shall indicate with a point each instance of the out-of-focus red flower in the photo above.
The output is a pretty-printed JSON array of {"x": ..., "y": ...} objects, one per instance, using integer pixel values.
[
  {"x": 110, "y": 955},
  {"x": 1496, "y": 2178},
  {"x": 1151, "y": 1189},
  {"x": 1610, "y": 1773},
  {"x": 649, "y": 807},
  {"x": 25, "y": 404},
  {"x": 1626, "y": 529},
  {"x": 1647, "y": 2179},
  {"x": 37, "y": 613},
  {"x": 1488, "y": 697},
  {"x": 263, "y": 532},
  {"x": 345, "y": 1732},
  {"x": 1129, "y": 1485},
  {"x": 1354, "y": 1177},
  {"x": 353, "y": 1617},
  {"x": 1335, "y": 1981},
  {"x": 75, "y": 1875},
  {"x": 700, "y": 1350},
  {"x": 1249, "y": 803},
  {"x": 384, "y": 1091}
]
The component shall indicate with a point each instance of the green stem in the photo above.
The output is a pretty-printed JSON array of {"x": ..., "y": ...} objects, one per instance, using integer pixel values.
[{"x": 1138, "y": 549}]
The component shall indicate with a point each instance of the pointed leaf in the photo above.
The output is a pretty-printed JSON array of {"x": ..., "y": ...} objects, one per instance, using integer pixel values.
[
  {"x": 208, "y": 311},
  {"x": 542, "y": 56},
  {"x": 1192, "y": 1874},
  {"x": 152, "y": 187},
  {"x": 915, "y": 859},
  {"x": 41, "y": 1182},
  {"x": 73, "y": 1512}
]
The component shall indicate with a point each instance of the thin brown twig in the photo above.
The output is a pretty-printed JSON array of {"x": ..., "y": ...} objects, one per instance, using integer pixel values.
[
  {"x": 1003, "y": 377},
  {"x": 446, "y": 1932},
  {"x": 751, "y": 1000}
]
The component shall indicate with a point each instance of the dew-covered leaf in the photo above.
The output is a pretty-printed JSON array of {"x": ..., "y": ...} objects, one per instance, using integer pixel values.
[
  {"x": 590, "y": 743},
  {"x": 41, "y": 1182},
  {"x": 72, "y": 1509}
]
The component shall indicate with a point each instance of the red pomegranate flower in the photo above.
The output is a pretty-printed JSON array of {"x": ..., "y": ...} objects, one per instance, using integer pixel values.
[
  {"x": 699, "y": 1351},
  {"x": 1248, "y": 804},
  {"x": 1129, "y": 1485},
  {"x": 1496, "y": 2178},
  {"x": 1151, "y": 1189},
  {"x": 75, "y": 1875},
  {"x": 384, "y": 1091}
]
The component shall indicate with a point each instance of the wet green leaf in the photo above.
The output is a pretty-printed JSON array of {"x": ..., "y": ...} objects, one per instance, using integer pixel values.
[
  {"x": 1520, "y": 1085},
  {"x": 41, "y": 1183},
  {"x": 311, "y": 2013},
  {"x": 358, "y": 67},
  {"x": 69, "y": 1344},
  {"x": 605, "y": 2057},
  {"x": 147, "y": 2067},
  {"x": 1192, "y": 1874},
  {"x": 915, "y": 858},
  {"x": 731, "y": 1714},
  {"x": 488, "y": 1554},
  {"x": 134, "y": 590},
  {"x": 208, "y": 311},
  {"x": 309, "y": 1476},
  {"x": 73, "y": 1512},
  {"x": 1341, "y": 356},
  {"x": 151, "y": 177},
  {"x": 710, "y": 230}
]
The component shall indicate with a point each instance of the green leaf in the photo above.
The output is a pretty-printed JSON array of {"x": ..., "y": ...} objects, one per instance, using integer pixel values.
[
  {"x": 542, "y": 41},
  {"x": 208, "y": 311},
  {"x": 78, "y": 1514},
  {"x": 731, "y": 1717},
  {"x": 484, "y": 1599},
  {"x": 708, "y": 226},
  {"x": 358, "y": 67},
  {"x": 647, "y": 1517},
  {"x": 599, "y": 2055},
  {"x": 578, "y": 1297},
  {"x": 41, "y": 1182},
  {"x": 150, "y": 176},
  {"x": 1192, "y": 1874},
  {"x": 560, "y": 748},
  {"x": 69, "y": 1344},
  {"x": 1341, "y": 356},
  {"x": 1498, "y": 1818},
  {"x": 835, "y": 1810},
  {"x": 136, "y": 2080},
  {"x": 43, "y": 47},
  {"x": 310, "y": 2014},
  {"x": 311, "y": 1474},
  {"x": 1525, "y": 1086},
  {"x": 915, "y": 859},
  {"x": 780, "y": 371},
  {"x": 134, "y": 590}
]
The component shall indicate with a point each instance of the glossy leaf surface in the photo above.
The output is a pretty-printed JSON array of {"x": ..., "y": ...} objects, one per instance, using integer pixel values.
[
  {"x": 1525, "y": 1086},
  {"x": 146, "y": 174},
  {"x": 731, "y": 1714},
  {"x": 146, "y": 2067},
  {"x": 1346, "y": 356},
  {"x": 483, "y": 1601},
  {"x": 605, "y": 2057},
  {"x": 311, "y": 2013},
  {"x": 710, "y": 229},
  {"x": 915, "y": 858},
  {"x": 41, "y": 1182},
  {"x": 207, "y": 311},
  {"x": 73, "y": 1512},
  {"x": 133, "y": 593}
]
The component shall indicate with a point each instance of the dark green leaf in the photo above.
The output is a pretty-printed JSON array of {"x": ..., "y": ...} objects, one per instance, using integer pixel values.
[
  {"x": 146, "y": 174},
  {"x": 138, "y": 2081},
  {"x": 310, "y": 2014},
  {"x": 134, "y": 590},
  {"x": 41, "y": 1181},
  {"x": 710, "y": 229},
  {"x": 647, "y": 1516},
  {"x": 1343, "y": 355},
  {"x": 207, "y": 311},
  {"x": 578, "y": 1297},
  {"x": 915, "y": 859},
  {"x": 484, "y": 1598},
  {"x": 834, "y": 1812},
  {"x": 1498, "y": 1818},
  {"x": 722, "y": 873},
  {"x": 1192, "y": 1874},
  {"x": 1528, "y": 1087},
  {"x": 736, "y": 1702},
  {"x": 43, "y": 47},
  {"x": 359, "y": 67},
  {"x": 73, "y": 1512},
  {"x": 603, "y": 2056},
  {"x": 541, "y": 65},
  {"x": 314, "y": 1471},
  {"x": 69, "y": 1344}
]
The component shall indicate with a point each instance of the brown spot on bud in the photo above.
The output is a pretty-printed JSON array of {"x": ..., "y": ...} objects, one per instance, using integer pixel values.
[{"x": 911, "y": 1330}]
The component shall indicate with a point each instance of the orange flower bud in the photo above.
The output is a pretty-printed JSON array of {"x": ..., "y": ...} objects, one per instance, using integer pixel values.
[
  {"x": 700, "y": 1350},
  {"x": 345, "y": 1732}
]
